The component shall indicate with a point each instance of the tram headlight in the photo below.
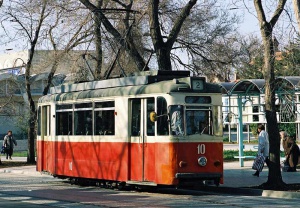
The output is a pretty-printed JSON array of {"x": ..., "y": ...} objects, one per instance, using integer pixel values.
[{"x": 202, "y": 161}]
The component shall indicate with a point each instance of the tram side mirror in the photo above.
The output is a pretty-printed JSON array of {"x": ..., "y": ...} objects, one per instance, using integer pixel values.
[{"x": 153, "y": 116}]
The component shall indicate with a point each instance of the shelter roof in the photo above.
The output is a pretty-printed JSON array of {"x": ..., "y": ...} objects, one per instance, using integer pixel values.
[
  {"x": 226, "y": 87},
  {"x": 248, "y": 86}
]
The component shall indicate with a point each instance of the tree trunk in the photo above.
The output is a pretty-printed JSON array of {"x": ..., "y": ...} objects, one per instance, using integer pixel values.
[
  {"x": 274, "y": 177},
  {"x": 32, "y": 117},
  {"x": 266, "y": 29},
  {"x": 163, "y": 49},
  {"x": 164, "y": 59},
  {"x": 98, "y": 42},
  {"x": 296, "y": 4}
]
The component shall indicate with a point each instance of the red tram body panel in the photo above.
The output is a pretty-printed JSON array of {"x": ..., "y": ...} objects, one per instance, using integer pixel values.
[{"x": 173, "y": 149}]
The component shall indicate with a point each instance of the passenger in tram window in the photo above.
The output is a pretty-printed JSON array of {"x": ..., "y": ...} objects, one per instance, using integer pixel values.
[
  {"x": 110, "y": 124},
  {"x": 98, "y": 124},
  {"x": 176, "y": 122},
  {"x": 88, "y": 126}
]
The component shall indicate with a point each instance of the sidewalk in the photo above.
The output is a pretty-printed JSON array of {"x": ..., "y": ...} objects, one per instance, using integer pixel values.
[{"x": 237, "y": 179}]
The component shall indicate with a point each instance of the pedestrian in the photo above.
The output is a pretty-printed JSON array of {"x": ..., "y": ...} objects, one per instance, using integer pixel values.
[
  {"x": 9, "y": 143},
  {"x": 284, "y": 141},
  {"x": 263, "y": 145},
  {"x": 292, "y": 154}
]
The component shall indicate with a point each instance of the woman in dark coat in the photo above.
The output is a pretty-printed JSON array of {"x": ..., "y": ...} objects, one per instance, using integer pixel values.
[{"x": 293, "y": 154}]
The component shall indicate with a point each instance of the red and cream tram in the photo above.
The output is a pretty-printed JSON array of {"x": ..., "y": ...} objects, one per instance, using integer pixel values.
[{"x": 159, "y": 128}]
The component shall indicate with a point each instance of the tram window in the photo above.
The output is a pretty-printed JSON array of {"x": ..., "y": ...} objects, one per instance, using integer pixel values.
[
  {"x": 198, "y": 99},
  {"x": 83, "y": 105},
  {"x": 104, "y": 122},
  {"x": 83, "y": 122},
  {"x": 198, "y": 122},
  {"x": 104, "y": 118},
  {"x": 64, "y": 107},
  {"x": 64, "y": 123},
  {"x": 105, "y": 104},
  {"x": 44, "y": 120},
  {"x": 162, "y": 120},
  {"x": 39, "y": 121},
  {"x": 150, "y": 124},
  {"x": 136, "y": 117},
  {"x": 176, "y": 113}
]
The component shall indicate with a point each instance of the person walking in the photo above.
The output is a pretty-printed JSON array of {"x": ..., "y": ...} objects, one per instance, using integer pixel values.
[
  {"x": 292, "y": 154},
  {"x": 9, "y": 143},
  {"x": 263, "y": 145}
]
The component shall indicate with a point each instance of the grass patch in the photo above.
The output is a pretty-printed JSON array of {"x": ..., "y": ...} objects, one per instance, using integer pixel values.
[
  {"x": 226, "y": 141},
  {"x": 228, "y": 155},
  {"x": 20, "y": 154}
]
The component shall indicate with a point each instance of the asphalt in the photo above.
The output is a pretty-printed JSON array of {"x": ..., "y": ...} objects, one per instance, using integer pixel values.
[{"x": 237, "y": 179}]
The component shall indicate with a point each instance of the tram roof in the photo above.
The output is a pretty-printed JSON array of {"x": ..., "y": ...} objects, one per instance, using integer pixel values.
[
  {"x": 139, "y": 78},
  {"x": 166, "y": 86}
]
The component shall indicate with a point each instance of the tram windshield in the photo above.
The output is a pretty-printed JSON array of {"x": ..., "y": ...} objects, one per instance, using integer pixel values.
[
  {"x": 194, "y": 120},
  {"x": 198, "y": 122}
]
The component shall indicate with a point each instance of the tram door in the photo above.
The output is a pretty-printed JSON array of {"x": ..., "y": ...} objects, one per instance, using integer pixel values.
[
  {"x": 141, "y": 131},
  {"x": 44, "y": 155}
]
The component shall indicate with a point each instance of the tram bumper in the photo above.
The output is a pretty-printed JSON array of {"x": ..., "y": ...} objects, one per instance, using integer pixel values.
[{"x": 204, "y": 178}]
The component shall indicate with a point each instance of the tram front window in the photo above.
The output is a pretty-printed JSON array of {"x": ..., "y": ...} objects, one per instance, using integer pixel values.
[
  {"x": 198, "y": 122},
  {"x": 176, "y": 114}
]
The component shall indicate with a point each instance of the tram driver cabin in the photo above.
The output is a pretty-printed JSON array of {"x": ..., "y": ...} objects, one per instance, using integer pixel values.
[{"x": 155, "y": 128}]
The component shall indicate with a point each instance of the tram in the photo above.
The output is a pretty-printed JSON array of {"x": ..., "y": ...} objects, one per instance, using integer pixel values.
[{"x": 154, "y": 128}]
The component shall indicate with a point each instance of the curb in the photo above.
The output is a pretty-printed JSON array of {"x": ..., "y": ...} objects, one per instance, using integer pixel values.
[
  {"x": 253, "y": 192},
  {"x": 199, "y": 190},
  {"x": 20, "y": 170}
]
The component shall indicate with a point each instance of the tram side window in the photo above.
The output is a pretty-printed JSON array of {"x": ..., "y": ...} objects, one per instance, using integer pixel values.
[
  {"x": 150, "y": 125},
  {"x": 104, "y": 115},
  {"x": 136, "y": 117},
  {"x": 83, "y": 119},
  {"x": 44, "y": 120},
  {"x": 39, "y": 122},
  {"x": 162, "y": 120},
  {"x": 64, "y": 123},
  {"x": 176, "y": 115},
  {"x": 83, "y": 123},
  {"x": 64, "y": 119}
]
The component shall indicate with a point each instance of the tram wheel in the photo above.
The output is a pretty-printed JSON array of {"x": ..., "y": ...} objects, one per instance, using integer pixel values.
[
  {"x": 121, "y": 185},
  {"x": 217, "y": 182}
]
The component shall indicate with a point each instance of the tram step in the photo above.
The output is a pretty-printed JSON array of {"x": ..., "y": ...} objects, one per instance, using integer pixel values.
[{"x": 146, "y": 183}]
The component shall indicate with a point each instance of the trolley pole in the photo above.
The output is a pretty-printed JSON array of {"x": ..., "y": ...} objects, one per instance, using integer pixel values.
[{"x": 241, "y": 144}]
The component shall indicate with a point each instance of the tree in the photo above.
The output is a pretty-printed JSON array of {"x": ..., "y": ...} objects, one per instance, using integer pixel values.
[
  {"x": 163, "y": 48},
  {"x": 266, "y": 29},
  {"x": 123, "y": 38},
  {"x": 27, "y": 19},
  {"x": 63, "y": 25}
]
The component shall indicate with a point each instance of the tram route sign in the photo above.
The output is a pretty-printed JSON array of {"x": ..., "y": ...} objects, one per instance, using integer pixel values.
[{"x": 198, "y": 84}]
